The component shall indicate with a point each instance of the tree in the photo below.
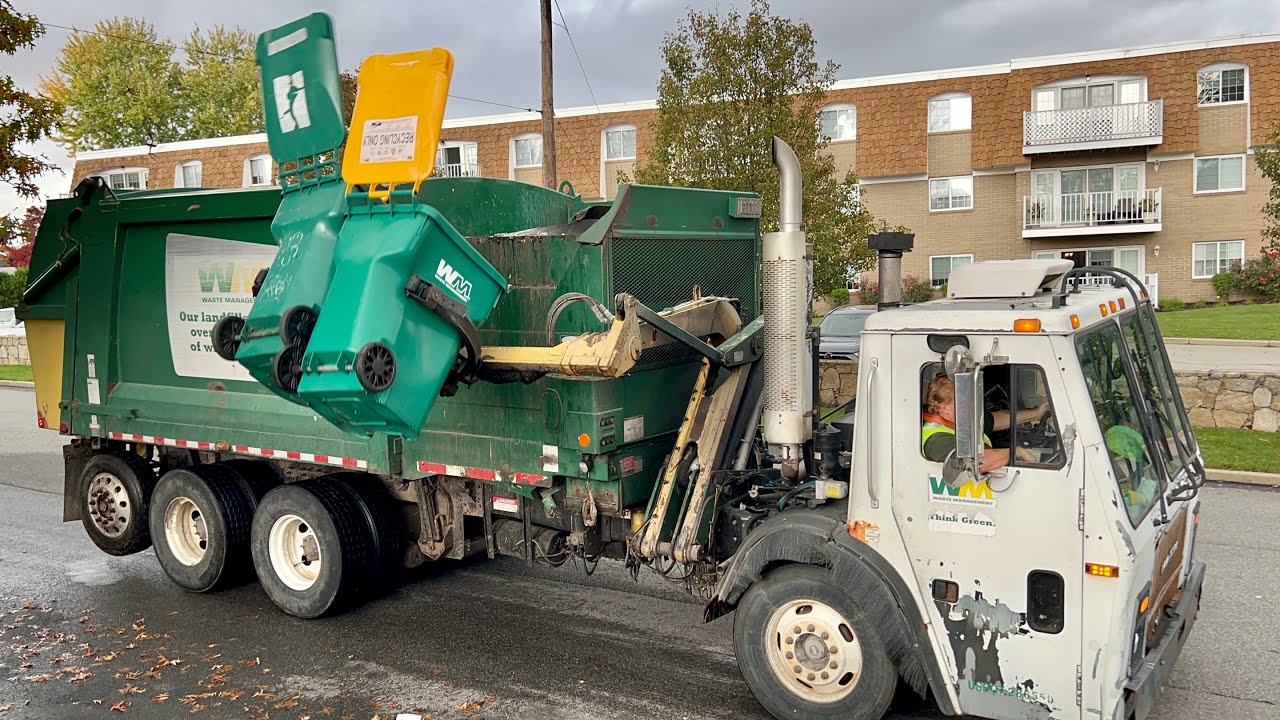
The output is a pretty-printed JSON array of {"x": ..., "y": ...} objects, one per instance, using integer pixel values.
[
  {"x": 1268, "y": 159},
  {"x": 22, "y": 237},
  {"x": 221, "y": 85},
  {"x": 24, "y": 117},
  {"x": 731, "y": 84},
  {"x": 121, "y": 85},
  {"x": 347, "y": 80}
]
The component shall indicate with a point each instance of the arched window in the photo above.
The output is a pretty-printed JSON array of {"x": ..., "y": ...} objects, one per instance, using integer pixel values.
[
  {"x": 189, "y": 174},
  {"x": 257, "y": 171},
  {"x": 950, "y": 111},
  {"x": 1222, "y": 83},
  {"x": 526, "y": 151},
  {"x": 619, "y": 142},
  {"x": 838, "y": 121},
  {"x": 124, "y": 178}
]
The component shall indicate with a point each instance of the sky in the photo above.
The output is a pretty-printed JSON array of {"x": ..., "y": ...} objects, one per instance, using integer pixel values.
[{"x": 496, "y": 42}]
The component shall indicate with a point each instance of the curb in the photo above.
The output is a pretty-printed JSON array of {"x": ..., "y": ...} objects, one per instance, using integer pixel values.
[
  {"x": 17, "y": 384},
  {"x": 1242, "y": 477},
  {"x": 1221, "y": 341}
]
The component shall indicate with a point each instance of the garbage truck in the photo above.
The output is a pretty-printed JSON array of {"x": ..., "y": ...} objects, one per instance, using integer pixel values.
[{"x": 368, "y": 368}]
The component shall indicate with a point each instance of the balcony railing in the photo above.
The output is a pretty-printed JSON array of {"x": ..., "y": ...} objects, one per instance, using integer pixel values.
[
  {"x": 1099, "y": 213},
  {"x": 457, "y": 170},
  {"x": 1128, "y": 125}
]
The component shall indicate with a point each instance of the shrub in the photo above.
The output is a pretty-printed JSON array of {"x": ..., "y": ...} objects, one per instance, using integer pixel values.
[
  {"x": 1259, "y": 276},
  {"x": 1172, "y": 304},
  {"x": 1223, "y": 283},
  {"x": 942, "y": 290},
  {"x": 915, "y": 290},
  {"x": 869, "y": 294},
  {"x": 1202, "y": 304},
  {"x": 839, "y": 296},
  {"x": 11, "y": 287}
]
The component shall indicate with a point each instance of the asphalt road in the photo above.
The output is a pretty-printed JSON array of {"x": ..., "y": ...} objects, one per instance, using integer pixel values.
[{"x": 81, "y": 631}]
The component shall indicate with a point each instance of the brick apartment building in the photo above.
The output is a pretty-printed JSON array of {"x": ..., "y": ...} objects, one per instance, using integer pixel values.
[{"x": 1140, "y": 157}]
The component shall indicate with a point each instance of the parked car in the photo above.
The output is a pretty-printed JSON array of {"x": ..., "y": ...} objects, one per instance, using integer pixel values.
[{"x": 841, "y": 333}]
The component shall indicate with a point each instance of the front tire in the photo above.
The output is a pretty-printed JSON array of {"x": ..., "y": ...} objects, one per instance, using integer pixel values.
[
  {"x": 200, "y": 521},
  {"x": 808, "y": 652},
  {"x": 115, "y": 490},
  {"x": 311, "y": 547}
]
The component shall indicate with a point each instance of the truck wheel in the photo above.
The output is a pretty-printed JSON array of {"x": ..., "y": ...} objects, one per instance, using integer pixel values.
[
  {"x": 385, "y": 523},
  {"x": 114, "y": 492},
  {"x": 256, "y": 477},
  {"x": 808, "y": 652},
  {"x": 311, "y": 547},
  {"x": 200, "y": 520}
]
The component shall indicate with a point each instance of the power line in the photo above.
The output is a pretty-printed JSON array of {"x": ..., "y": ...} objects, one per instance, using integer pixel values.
[
  {"x": 574, "y": 45},
  {"x": 221, "y": 56}
]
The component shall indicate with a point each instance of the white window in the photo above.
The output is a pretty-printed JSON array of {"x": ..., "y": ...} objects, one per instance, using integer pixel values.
[
  {"x": 951, "y": 193},
  {"x": 128, "y": 178},
  {"x": 1129, "y": 258},
  {"x": 940, "y": 267},
  {"x": 620, "y": 143},
  {"x": 838, "y": 121},
  {"x": 188, "y": 174},
  {"x": 1219, "y": 174},
  {"x": 1210, "y": 258},
  {"x": 257, "y": 171},
  {"x": 953, "y": 111},
  {"x": 526, "y": 151},
  {"x": 1078, "y": 93},
  {"x": 1223, "y": 83}
]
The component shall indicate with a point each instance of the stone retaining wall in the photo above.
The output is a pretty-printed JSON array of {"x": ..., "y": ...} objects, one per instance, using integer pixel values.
[
  {"x": 1213, "y": 399},
  {"x": 13, "y": 350},
  {"x": 1232, "y": 399}
]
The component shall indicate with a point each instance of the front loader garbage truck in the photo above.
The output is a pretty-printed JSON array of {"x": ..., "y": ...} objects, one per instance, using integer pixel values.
[{"x": 1003, "y": 520}]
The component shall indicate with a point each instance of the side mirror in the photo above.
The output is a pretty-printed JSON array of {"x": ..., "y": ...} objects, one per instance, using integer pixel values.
[{"x": 968, "y": 404}]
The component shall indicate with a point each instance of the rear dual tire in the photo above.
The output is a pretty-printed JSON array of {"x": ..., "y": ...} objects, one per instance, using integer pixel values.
[{"x": 200, "y": 524}]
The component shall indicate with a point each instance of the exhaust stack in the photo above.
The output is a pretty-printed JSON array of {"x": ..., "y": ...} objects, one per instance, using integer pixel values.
[
  {"x": 788, "y": 307},
  {"x": 890, "y": 246}
]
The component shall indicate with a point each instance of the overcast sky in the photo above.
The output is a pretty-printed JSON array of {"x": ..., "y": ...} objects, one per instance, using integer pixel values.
[{"x": 495, "y": 42}]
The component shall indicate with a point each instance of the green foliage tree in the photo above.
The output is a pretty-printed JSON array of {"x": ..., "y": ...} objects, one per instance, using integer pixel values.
[
  {"x": 221, "y": 85},
  {"x": 1268, "y": 159},
  {"x": 24, "y": 117},
  {"x": 121, "y": 84},
  {"x": 12, "y": 285},
  {"x": 730, "y": 84}
]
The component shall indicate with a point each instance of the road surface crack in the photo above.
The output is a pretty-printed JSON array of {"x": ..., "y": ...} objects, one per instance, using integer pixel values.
[{"x": 1221, "y": 695}]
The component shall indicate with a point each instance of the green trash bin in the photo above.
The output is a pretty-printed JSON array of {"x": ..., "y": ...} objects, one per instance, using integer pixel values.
[
  {"x": 302, "y": 98},
  {"x": 406, "y": 298}
]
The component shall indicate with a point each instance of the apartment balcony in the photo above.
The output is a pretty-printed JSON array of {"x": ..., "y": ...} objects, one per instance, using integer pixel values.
[
  {"x": 1093, "y": 128},
  {"x": 1096, "y": 213},
  {"x": 457, "y": 170}
]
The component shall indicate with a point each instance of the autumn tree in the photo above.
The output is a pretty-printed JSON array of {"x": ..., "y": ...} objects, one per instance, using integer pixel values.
[
  {"x": 24, "y": 117},
  {"x": 21, "y": 236},
  {"x": 122, "y": 84},
  {"x": 1268, "y": 159},
  {"x": 732, "y": 83}
]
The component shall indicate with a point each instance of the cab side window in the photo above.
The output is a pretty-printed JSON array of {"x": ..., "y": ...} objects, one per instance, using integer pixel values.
[{"x": 1017, "y": 414}]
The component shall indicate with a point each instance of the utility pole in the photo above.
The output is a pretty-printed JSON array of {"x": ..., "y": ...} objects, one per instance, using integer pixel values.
[{"x": 548, "y": 103}]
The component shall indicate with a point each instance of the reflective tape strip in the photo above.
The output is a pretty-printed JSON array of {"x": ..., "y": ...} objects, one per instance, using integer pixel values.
[
  {"x": 486, "y": 474},
  {"x": 246, "y": 450}
]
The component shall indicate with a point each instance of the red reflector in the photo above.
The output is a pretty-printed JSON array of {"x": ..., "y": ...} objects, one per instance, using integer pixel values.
[{"x": 40, "y": 423}]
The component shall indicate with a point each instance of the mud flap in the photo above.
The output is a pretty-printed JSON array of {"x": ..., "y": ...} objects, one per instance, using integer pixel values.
[{"x": 75, "y": 455}]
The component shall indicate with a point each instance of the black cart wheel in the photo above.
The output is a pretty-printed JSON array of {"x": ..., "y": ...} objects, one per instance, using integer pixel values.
[
  {"x": 296, "y": 325},
  {"x": 200, "y": 522},
  {"x": 114, "y": 492},
  {"x": 286, "y": 368},
  {"x": 226, "y": 336},
  {"x": 375, "y": 367},
  {"x": 807, "y": 651},
  {"x": 311, "y": 547}
]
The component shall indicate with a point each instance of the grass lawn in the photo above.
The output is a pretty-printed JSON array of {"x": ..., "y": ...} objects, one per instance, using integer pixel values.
[
  {"x": 15, "y": 372},
  {"x": 1237, "y": 322},
  {"x": 1234, "y": 449}
]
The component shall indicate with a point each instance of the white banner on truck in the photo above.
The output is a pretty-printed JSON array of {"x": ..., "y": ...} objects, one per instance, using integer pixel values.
[{"x": 207, "y": 279}]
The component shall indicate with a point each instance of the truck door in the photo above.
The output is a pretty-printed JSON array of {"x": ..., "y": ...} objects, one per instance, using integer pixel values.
[{"x": 1002, "y": 558}]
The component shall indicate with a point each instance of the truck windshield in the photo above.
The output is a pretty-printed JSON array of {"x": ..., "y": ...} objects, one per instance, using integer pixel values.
[
  {"x": 1114, "y": 391},
  {"x": 1150, "y": 361}
]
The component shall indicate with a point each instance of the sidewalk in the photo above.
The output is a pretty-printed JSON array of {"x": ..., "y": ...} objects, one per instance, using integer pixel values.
[{"x": 1226, "y": 357}]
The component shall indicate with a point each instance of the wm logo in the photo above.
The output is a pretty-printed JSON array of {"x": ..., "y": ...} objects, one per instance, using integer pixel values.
[
  {"x": 970, "y": 493},
  {"x": 454, "y": 280}
]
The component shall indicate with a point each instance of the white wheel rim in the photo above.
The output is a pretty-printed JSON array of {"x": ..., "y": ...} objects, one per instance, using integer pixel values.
[
  {"x": 185, "y": 531},
  {"x": 295, "y": 552},
  {"x": 813, "y": 650},
  {"x": 109, "y": 506}
]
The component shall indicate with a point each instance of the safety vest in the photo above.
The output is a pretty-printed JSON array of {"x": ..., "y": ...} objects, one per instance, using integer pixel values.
[{"x": 933, "y": 428}]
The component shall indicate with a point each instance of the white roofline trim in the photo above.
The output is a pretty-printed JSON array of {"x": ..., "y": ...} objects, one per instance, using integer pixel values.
[
  {"x": 1144, "y": 50},
  {"x": 179, "y": 146}
]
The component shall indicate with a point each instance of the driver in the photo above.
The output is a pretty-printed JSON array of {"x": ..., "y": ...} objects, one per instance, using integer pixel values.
[{"x": 938, "y": 433}]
